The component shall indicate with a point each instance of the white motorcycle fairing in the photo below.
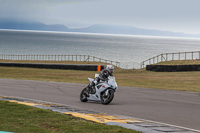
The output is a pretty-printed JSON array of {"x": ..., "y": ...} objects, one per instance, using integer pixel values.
[{"x": 101, "y": 87}]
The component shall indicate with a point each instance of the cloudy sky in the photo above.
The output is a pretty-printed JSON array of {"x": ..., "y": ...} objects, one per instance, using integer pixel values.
[{"x": 171, "y": 15}]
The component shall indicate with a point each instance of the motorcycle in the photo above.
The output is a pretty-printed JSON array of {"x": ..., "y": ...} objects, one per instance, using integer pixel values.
[{"x": 102, "y": 92}]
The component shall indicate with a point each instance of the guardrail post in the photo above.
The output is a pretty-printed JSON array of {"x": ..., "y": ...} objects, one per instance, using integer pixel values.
[
  {"x": 153, "y": 60},
  {"x": 157, "y": 58},
  {"x": 199, "y": 54},
  {"x": 192, "y": 56},
  {"x": 185, "y": 55},
  {"x": 141, "y": 65}
]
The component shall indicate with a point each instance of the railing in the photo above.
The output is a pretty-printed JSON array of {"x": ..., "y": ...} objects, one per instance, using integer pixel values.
[
  {"x": 129, "y": 65},
  {"x": 58, "y": 58},
  {"x": 171, "y": 56}
]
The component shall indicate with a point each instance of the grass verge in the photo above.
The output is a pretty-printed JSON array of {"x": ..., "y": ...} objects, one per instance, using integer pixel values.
[{"x": 25, "y": 119}]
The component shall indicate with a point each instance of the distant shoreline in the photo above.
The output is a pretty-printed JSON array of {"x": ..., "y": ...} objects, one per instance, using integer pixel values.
[{"x": 107, "y": 34}]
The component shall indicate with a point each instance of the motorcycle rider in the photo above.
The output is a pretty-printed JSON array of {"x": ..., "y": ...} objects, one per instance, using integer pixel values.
[{"x": 104, "y": 74}]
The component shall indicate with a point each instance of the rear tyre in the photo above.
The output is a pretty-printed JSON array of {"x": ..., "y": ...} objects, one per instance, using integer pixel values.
[
  {"x": 83, "y": 96},
  {"x": 107, "y": 99}
]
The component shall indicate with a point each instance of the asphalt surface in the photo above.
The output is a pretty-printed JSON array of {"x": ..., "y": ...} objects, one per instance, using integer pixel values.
[{"x": 172, "y": 107}]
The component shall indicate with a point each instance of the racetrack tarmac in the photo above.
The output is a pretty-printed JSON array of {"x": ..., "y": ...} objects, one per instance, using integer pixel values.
[{"x": 172, "y": 107}]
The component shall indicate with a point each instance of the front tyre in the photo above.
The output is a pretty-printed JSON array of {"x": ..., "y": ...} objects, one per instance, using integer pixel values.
[
  {"x": 83, "y": 96},
  {"x": 107, "y": 99}
]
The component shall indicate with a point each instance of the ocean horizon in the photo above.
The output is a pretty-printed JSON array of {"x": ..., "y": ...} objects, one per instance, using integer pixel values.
[
  {"x": 126, "y": 49},
  {"x": 108, "y": 34}
]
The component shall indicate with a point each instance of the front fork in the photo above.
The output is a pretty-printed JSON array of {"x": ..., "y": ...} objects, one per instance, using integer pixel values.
[{"x": 107, "y": 91}]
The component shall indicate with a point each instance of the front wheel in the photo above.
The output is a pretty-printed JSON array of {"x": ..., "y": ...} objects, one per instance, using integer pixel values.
[
  {"x": 107, "y": 99},
  {"x": 83, "y": 96}
]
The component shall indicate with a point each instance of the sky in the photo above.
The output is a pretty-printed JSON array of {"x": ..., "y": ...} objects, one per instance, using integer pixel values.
[{"x": 168, "y": 15}]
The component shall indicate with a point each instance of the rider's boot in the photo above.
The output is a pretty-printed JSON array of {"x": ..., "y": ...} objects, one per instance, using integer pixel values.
[{"x": 89, "y": 88}]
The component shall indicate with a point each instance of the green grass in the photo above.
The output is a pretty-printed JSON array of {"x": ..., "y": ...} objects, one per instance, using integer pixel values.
[
  {"x": 25, "y": 119},
  {"x": 182, "y": 81},
  {"x": 45, "y": 74}
]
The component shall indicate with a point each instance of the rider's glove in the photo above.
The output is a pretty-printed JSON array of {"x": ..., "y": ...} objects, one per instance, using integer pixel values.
[{"x": 95, "y": 82}]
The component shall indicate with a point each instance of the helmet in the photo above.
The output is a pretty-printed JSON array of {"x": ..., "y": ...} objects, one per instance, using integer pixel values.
[{"x": 110, "y": 68}]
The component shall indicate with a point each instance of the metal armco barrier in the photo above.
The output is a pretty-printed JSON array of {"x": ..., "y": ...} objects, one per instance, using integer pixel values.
[
  {"x": 56, "y": 66},
  {"x": 83, "y": 58},
  {"x": 172, "y": 68},
  {"x": 194, "y": 55}
]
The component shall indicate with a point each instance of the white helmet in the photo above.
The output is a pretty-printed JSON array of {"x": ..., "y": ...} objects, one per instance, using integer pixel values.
[{"x": 110, "y": 68}]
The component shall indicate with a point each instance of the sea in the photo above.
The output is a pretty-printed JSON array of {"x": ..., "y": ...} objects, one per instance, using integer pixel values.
[{"x": 127, "y": 49}]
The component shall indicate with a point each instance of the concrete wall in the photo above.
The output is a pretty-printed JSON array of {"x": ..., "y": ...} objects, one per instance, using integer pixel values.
[
  {"x": 172, "y": 68},
  {"x": 55, "y": 66}
]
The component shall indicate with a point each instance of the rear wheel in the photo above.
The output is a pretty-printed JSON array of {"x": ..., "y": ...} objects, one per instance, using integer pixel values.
[
  {"x": 83, "y": 96},
  {"x": 107, "y": 99}
]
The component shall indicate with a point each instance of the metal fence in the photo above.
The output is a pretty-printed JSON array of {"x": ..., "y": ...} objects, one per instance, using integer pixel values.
[
  {"x": 58, "y": 58},
  {"x": 172, "y": 56},
  {"x": 129, "y": 65}
]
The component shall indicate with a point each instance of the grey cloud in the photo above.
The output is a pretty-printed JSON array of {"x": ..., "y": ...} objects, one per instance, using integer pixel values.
[{"x": 156, "y": 14}]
